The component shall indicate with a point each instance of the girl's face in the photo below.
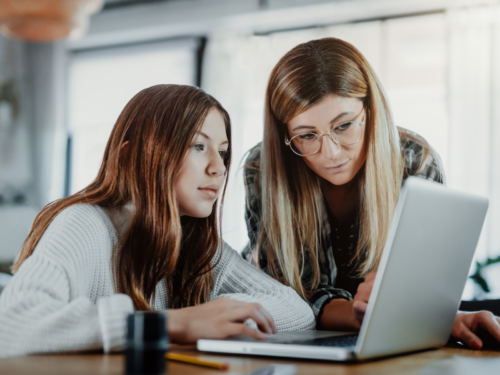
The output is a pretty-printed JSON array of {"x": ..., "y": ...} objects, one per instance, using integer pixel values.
[
  {"x": 336, "y": 164},
  {"x": 201, "y": 177}
]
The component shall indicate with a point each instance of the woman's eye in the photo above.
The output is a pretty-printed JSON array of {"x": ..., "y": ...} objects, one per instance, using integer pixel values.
[
  {"x": 199, "y": 147},
  {"x": 344, "y": 126},
  {"x": 223, "y": 154},
  {"x": 307, "y": 136}
]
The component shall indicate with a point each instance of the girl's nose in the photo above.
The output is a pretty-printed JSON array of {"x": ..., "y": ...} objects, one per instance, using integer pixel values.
[{"x": 216, "y": 167}]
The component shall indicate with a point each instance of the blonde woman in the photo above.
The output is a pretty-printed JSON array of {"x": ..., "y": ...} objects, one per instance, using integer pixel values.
[{"x": 323, "y": 185}]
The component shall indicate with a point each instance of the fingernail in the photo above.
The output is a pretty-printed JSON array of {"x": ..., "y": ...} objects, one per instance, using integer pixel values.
[{"x": 476, "y": 345}]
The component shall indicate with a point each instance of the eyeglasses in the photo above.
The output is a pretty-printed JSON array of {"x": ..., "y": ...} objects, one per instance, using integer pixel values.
[{"x": 308, "y": 144}]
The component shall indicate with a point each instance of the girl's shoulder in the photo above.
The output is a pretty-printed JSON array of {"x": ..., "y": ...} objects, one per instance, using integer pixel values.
[
  {"x": 421, "y": 159},
  {"x": 89, "y": 218},
  {"x": 79, "y": 228}
]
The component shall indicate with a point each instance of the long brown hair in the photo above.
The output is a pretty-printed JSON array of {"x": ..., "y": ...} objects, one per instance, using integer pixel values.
[
  {"x": 292, "y": 201},
  {"x": 159, "y": 123}
]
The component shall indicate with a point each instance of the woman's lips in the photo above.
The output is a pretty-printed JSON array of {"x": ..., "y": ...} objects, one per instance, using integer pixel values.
[{"x": 338, "y": 168}]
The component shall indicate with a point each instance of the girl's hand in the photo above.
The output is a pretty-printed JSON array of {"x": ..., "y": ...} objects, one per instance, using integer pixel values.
[
  {"x": 218, "y": 319},
  {"x": 362, "y": 296},
  {"x": 468, "y": 324}
]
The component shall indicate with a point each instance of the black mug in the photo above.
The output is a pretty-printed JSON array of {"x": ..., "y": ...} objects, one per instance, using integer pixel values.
[{"x": 147, "y": 343}]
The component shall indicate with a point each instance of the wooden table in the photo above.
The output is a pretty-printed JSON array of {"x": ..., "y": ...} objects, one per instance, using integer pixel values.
[{"x": 113, "y": 364}]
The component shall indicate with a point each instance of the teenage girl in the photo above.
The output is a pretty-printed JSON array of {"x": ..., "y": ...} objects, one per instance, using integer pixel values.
[
  {"x": 145, "y": 235},
  {"x": 323, "y": 185}
]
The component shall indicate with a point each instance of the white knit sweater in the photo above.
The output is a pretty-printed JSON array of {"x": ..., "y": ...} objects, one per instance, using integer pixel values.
[{"x": 63, "y": 298}]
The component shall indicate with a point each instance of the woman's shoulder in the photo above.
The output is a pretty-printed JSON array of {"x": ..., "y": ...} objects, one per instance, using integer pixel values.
[
  {"x": 421, "y": 159},
  {"x": 252, "y": 161},
  {"x": 252, "y": 170},
  {"x": 254, "y": 154}
]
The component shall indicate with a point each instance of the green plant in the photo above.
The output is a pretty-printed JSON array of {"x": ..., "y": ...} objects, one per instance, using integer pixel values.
[{"x": 477, "y": 276}]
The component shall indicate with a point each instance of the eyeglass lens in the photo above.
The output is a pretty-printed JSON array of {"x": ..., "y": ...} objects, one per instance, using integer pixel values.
[{"x": 310, "y": 143}]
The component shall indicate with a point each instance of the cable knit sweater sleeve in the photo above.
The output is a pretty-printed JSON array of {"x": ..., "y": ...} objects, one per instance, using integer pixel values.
[
  {"x": 62, "y": 298},
  {"x": 239, "y": 280},
  {"x": 47, "y": 306}
]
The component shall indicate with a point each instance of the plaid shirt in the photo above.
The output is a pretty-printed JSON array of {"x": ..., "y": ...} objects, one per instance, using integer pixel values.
[{"x": 337, "y": 276}]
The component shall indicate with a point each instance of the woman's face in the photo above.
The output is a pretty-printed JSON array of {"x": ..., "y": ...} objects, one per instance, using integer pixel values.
[
  {"x": 336, "y": 164},
  {"x": 202, "y": 173}
]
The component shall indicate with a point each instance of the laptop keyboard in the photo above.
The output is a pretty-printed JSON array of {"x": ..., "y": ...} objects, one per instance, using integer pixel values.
[{"x": 335, "y": 341}]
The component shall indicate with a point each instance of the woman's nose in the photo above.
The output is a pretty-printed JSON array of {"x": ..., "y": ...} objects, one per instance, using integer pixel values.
[{"x": 329, "y": 147}]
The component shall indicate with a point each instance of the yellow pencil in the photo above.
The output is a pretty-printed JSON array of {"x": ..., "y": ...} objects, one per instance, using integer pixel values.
[{"x": 197, "y": 361}]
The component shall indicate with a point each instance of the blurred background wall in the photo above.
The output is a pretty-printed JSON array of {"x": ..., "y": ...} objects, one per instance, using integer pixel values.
[{"x": 439, "y": 61}]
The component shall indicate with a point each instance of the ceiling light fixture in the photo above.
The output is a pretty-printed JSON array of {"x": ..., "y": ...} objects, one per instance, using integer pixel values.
[{"x": 46, "y": 20}]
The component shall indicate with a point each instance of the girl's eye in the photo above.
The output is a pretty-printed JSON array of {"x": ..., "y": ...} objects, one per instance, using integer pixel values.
[
  {"x": 223, "y": 154},
  {"x": 344, "y": 126},
  {"x": 199, "y": 147}
]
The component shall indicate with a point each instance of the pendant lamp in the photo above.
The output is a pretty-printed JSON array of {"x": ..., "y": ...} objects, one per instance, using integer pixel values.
[{"x": 46, "y": 20}]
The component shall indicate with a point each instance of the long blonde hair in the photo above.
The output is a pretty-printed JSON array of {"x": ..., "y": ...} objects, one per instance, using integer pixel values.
[
  {"x": 292, "y": 200},
  {"x": 159, "y": 123}
]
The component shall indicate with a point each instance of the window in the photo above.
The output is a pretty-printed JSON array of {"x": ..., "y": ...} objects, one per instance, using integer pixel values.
[
  {"x": 101, "y": 82},
  {"x": 401, "y": 51}
]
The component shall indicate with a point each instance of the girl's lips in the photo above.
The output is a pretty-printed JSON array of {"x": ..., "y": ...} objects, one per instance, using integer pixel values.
[
  {"x": 338, "y": 168},
  {"x": 210, "y": 193}
]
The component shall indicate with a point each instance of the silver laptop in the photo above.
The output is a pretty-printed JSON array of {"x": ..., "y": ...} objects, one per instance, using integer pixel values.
[{"x": 417, "y": 291}]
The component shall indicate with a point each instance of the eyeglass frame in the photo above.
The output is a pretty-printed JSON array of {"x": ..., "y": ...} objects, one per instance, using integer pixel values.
[{"x": 288, "y": 142}]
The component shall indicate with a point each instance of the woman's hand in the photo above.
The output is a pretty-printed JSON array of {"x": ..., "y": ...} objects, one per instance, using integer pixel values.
[
  {"x": 466, "y": 327},
  {"x": 218, "y": 319},
  {"x": 362, "y": 296},
  {"x": 342, "y": 315},
  {"x": 468, "y": 324}
]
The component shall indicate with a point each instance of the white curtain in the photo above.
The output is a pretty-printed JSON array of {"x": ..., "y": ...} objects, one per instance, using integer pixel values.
[{"x": 474, "y": 81}]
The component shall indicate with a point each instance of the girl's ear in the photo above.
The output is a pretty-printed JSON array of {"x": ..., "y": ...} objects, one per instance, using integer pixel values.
[{"x": 124, "y": 146}]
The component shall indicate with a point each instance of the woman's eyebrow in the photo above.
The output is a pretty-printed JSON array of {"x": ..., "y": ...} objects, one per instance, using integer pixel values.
[
  {"x": 331, "y": 122},
  {"x": 339, "y": 116},
  {"x": 304, "y": 127}
]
